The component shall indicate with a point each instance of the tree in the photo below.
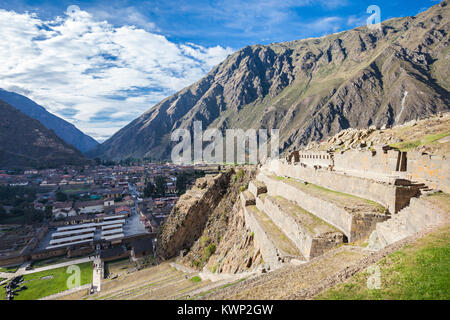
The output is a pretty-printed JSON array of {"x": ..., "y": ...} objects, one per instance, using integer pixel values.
[
  {"x": 61, "y": 196},
  {"x": 48, "y": 213},
  {"x": 181, "y": 182},
  {"x": 149, "y": 190},
  {"x": 2, "y": 210},
  {"x": 161, "y": 186}
]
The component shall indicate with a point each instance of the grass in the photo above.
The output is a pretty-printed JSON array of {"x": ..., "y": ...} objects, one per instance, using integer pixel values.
[
  {"x": 196, "y": 279},
  {"x": 208, "y": 252},
  {"x": 9, "y": 269},
  {"x": 420, "y": 271},
  {"x": 37, "y": 287},
  {"x": 429, "y": 139}
]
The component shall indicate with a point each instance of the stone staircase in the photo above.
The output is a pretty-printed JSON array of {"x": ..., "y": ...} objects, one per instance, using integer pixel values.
[{"x": 293, "y": 221}]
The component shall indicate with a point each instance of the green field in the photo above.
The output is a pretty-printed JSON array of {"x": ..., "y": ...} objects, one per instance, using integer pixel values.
[
  {"x": 9, "y": 269},
  {"x": 37, "y": 287},
  {"x": 409, "y": 145},
  {"x": 420, "y": 271}
]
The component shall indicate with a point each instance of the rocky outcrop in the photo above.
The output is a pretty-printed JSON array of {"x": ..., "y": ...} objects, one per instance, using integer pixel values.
[
  {"x": 310, "y": 89},
  {"x": 206, "y": 229},
  {"x": 237, "y": 251},
  {"x": 188, "y": 218}
]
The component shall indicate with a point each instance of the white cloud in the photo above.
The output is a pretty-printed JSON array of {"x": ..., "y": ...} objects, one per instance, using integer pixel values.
[{"x": 93, "y": 74}]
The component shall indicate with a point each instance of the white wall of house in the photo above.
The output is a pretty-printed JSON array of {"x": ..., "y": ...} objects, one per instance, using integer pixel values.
[{"x": 92, "y": 209}]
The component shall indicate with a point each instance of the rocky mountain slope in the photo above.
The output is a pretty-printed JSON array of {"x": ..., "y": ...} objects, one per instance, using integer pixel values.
[
  {"x": 65, "y": 130},
  {"x": 207, "y": 227},
  {"x": 309, "y": 89},
  {"x": 25, "y": 142}
]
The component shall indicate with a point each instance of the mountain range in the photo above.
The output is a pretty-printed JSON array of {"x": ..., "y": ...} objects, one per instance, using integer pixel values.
[
  {"x": 25, "y": 142},
  {"x": 65, "y": 130},
  {"x": 309, "y": 89}
]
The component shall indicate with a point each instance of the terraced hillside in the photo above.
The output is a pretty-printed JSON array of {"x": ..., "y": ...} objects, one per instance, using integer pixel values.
[{"x": 155, "y": 283}]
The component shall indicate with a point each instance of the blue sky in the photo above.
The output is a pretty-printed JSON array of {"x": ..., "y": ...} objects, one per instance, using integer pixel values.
[{"x": 102, "y": 64}]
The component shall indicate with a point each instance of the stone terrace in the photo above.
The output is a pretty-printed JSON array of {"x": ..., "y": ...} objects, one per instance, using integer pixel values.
[
  {"x": 294, "y": 221},
  {"x": 305, "y": 200},
  {"x": 354, "y": 216}
]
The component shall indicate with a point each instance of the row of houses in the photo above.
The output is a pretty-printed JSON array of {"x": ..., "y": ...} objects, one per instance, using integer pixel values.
[{"x": 108, "y": 206}]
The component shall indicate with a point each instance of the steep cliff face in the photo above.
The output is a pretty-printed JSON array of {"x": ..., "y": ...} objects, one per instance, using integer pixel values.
[
  {"x": 309, "y": 89},
  {"x": 206, "y": 228},
  {"x": 236, "y": 251}
]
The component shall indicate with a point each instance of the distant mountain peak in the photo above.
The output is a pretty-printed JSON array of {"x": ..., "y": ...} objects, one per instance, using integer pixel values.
[
  {"x": 309, "y": 89},
  {"x": 65, "y": 130},
  {"x": 27, "y": 143}
]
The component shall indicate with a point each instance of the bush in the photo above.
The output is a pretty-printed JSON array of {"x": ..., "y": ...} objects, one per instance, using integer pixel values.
[
  {"x": 240, "y": 174},
  {"x": 204, "y": 240},
  {"x": 209, "y": 251}
]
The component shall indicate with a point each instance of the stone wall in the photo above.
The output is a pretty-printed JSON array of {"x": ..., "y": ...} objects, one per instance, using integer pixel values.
[
  {"x": 317, "y": 158},
  {"x": 273, "y": 258},
  {"x": 392, "y": 193},
  {"x": 377, "y": 161},
  {"x": 434, "y": 171},
  {"x": 44, "y": 254},
  {"x": 12, "y": 260},
  {"x": 420, "y": 214},
  {"x": 355, "y": 226},
  {"x": 325, "y": 210},
  {"x": 256, "y": 188},
  {"x": 310, "y": 244}
]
